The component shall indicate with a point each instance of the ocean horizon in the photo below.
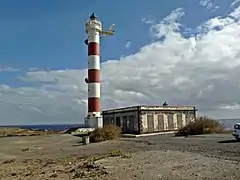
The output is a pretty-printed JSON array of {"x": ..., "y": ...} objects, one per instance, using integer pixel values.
[
  {"x": 228, "y": 124},
  {"x": 47, "y": 127}
]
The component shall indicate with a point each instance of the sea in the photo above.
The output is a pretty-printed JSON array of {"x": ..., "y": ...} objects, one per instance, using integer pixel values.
[
  {"x": 228, "y": 124},
  {"x": 48, "y": 127}
]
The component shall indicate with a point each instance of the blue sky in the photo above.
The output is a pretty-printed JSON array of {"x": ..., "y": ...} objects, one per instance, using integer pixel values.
[
  {"x": 50, "y": 34},
  {"x": 40, "y": 37}
]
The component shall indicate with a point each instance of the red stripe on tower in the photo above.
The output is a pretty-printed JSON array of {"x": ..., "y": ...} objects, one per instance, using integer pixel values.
[{"x": 93, "y": 48}]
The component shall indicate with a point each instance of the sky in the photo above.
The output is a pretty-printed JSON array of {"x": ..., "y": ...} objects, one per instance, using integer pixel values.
[{"x": 184, "y": 52}]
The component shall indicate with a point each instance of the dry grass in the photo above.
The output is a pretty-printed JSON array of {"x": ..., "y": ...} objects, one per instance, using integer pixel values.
[
  {"x": 113, "y": 153},
  {"x": 9, "y": 132},
  {"x": 108, "y": 132},
  {"x": 202, "y": 125},
  {"x": 9, "y": 161}
]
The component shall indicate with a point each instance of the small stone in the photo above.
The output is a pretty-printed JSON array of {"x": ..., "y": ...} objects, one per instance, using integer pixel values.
[
  {"x": 105, "y": 172},
  {"x": 27, "y": 174},
  {"x": 25, "y": 149},
  {"x": 14, "y": 174},
  {"x": 70, "y": 170},
  {"x": 53, "y": 175},
  {"x": 76, "y": 175}
]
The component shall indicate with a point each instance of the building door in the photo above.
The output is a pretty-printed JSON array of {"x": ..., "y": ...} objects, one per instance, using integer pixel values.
[
  {"x": 160, "y": 122},
  {"x": 124, "y": 129},
  {"x": 118, "y": 121},
  {"x": 131, "y": 124},
  {"x": 150, "y": 123},
  {"x": 105, "y": 121},
  {"x": 170, "y": 122},
  {"x": 179, "y": 121}
]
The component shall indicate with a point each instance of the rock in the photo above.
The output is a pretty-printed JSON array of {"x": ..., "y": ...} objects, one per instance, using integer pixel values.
[
  {"x": 53, "y": 175},
  {"x": 76, "y": 175},
  {"x": 105, "y": 172},
  {"x": 70, "y": 170},
  {"x": 25, "y": 149},
  {"x": 27, "y": 174},
  {"x": 9, "y": 161},
  {"x": 13, "y": 174}
]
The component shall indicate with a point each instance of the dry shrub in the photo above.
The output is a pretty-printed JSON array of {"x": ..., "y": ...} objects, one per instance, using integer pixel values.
[
  {"x": 108, "y": 132},
  {"x": 202, "y": 125}
]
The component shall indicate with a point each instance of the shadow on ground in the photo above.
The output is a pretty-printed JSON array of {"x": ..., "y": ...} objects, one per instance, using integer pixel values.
[{"x": 229, "y": 141}]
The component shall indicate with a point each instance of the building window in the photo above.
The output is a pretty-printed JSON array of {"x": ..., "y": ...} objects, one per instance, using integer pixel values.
[
  {"x": 124, "y": 124},
  {"x": 106, "y": 120},
  {"x": 150, "y": 122},
  {"x": 131, "y": 118},
  {"x": 128, "y": 124},
  {"x": 131, "y": 123},
  {"x": 112, "y": 120},
  {"x": 118, "y": 121}
]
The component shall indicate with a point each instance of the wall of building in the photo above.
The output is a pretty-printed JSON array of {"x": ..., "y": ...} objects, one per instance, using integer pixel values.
[
  {"x": 147, "y": 119},
  {"x": 128, "y": 121},
  {"x": 158, "y": 121}
]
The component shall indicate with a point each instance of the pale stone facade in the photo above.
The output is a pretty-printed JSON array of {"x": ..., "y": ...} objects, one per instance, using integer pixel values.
[{"x": 149, "y": 119}]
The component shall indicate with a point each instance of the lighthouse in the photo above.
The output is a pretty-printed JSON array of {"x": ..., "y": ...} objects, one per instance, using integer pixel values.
[{"x": 93, "y": 28}]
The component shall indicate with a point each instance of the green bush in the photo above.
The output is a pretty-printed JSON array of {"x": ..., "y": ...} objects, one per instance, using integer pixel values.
[
  {"x": 202, "y": 125},
  {"x": 108, "y": 132}
]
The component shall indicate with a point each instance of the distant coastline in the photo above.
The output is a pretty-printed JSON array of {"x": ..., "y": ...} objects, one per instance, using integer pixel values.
[
  {"x": 47, "y": 127},
  {"x": 228, "y": 124}
]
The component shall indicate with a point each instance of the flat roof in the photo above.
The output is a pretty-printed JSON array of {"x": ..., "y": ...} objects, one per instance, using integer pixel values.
[{"x": 151, "y": 108}]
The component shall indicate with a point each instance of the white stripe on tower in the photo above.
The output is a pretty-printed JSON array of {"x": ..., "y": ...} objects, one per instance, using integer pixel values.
[{"x": 94, "y": 73}]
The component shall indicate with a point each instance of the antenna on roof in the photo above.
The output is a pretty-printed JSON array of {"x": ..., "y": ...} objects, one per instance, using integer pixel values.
[{"x": 165, "y": 103}]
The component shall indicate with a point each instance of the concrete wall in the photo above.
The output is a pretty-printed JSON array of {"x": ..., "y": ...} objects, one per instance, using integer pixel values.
[
  {"x": 157, "y": 121},
  {"x": 128, "y": 121}
]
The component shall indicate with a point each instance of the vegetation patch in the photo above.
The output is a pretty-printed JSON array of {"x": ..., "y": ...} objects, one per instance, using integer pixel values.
[
  {"x": 202, "y": 125},
  {"x": 108, "y": 132},
  {"x": 114, "y": 153},
  {"x": 9, "y": 161},
  {"x": 12, "y": 132}
]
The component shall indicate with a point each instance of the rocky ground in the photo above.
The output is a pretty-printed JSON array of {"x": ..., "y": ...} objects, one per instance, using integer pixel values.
[
  {"x": 11, "y": 132},
  {"x": 153, "y": 157}
]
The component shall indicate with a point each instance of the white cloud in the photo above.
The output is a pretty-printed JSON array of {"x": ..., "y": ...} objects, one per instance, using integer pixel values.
[
  {"x": 235, "y": 2},
  {"x": 147, "y": 20},
  {"x": 168, "y": 24},
  {"x": 128, "y": 44},
  {"x": 236, "y": 14},
  {"x": 208, "y": 4},
  {"x": 8, "y": 69},
  {"x": 201, "y": 70}
]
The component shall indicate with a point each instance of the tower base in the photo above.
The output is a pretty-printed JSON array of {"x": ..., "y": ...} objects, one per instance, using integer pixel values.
[{"x": 93, "y": 122}]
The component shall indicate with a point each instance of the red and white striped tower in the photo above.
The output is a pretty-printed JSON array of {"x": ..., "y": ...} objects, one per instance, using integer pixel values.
[{"x": 94, "y": 30}]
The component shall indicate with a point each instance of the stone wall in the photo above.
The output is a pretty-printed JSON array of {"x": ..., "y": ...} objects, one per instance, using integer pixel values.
[{"x": 160, "y": 121}]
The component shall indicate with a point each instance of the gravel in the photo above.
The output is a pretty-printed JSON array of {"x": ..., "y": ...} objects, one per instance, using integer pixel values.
[{"x": 153, "y": 157}]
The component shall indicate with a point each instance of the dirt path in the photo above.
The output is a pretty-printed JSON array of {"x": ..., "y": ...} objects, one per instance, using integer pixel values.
[{"x": 156, "y": 157}]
